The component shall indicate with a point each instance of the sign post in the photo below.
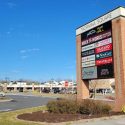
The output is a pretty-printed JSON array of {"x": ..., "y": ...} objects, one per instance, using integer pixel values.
[{"x": 101, "y": 54}]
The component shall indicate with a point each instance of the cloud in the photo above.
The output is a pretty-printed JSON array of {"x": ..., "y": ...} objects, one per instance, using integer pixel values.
[
  {"x": 11, "y": 4},
  {"x": 8, "y": 33},
  {"x": 25, "y": 53},
  {"x": 33, "y": 50},
  {"x": 29, "y": 50},
  {"x": 24, "y": 57},
  {"x": 15, "y": 71}
]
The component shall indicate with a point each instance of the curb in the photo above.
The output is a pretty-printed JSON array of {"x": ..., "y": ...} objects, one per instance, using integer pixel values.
[{"x": 8, "y": 100}]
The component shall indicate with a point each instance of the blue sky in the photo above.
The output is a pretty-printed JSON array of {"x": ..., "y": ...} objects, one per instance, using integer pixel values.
[{"x": 37, "y": 37}]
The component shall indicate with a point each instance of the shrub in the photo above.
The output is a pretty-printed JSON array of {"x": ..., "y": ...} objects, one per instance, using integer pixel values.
[
  {"x": 63, "y": 106},
  {"x": 84, "y": 107},
  {"x": 106, "y": 109},
  {"x": 52, "y": 107},
  {"x": 93, "y": 107}
]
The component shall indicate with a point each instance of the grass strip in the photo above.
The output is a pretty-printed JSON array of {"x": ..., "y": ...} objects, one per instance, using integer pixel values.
[{"x": 10, "y": 118}]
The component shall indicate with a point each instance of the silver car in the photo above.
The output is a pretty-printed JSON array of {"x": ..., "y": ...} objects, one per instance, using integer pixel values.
[{"x": 2, "y": 94}]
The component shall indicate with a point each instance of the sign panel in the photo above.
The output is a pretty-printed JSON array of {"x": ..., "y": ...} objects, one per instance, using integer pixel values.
[
  {"x": 105, "y": 71},
  {"x": 104, "y": 42},
  {"x": 87, "y": 64},
  {"x": 97, "y": 51},
  {"x": 89, "y": 73},
  {"x": 91, "y": 46},
  {"x": 88, "y": 52},
  {"x": 96, "y": 30},
  {"x": 98, "y": 37},
  {"x": 103, "y": 55},
  {"x": 103, "y": 48},
  {"x": 88, "y": 58},
  {"x": 66, "y": 84},
  {"x": 104, "y": 61}
]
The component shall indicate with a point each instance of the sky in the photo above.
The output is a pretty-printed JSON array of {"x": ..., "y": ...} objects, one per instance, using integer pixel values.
[{"x": 38, "y": 37}]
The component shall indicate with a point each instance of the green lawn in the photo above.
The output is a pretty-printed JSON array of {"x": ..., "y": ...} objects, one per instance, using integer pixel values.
[{"x": 9, "y": 118}]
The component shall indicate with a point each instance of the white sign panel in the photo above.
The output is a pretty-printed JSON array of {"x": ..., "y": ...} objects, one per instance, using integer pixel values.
[
  {"x": 87, "y": 64},
  {"x": 88, "y": 58},
  {"x": 91, "y": 46}
]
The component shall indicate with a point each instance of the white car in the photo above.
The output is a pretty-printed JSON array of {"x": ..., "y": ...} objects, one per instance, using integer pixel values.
[{"x": 2, "y": 94}]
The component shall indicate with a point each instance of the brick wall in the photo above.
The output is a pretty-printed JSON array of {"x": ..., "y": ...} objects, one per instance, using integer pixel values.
[
  {"x": 118, "y": 30},
  {"x": 82, "y": 86}
]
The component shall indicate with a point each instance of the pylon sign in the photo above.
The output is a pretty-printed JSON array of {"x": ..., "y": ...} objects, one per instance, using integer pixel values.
[{"x": 101, "y": 54}]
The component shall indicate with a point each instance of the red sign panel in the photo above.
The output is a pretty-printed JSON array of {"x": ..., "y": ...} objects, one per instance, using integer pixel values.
[
  {"x": 104, "y": 48},
  {"x": 66, "y": 84},
  {"x": 104, "y": 61}
]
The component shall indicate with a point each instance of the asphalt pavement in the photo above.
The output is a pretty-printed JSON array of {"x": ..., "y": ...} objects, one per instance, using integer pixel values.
[{"x": 20, "y": 101}]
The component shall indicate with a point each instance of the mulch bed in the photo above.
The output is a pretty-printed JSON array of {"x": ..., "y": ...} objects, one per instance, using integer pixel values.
[{"x": 56, "y": 118}]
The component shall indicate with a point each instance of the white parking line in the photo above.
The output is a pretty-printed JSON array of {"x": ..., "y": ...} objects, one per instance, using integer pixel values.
[{"x": 5, "y": 110}]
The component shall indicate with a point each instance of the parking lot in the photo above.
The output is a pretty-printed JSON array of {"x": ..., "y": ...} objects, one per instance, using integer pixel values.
[{"x": 20, "y": 101}]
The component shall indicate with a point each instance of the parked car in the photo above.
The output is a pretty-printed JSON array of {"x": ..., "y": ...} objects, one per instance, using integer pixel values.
[
  {"x": 2, "y": 94},
  {"x": 56, "y": 90},
  {"x": 46, "y": 90}
]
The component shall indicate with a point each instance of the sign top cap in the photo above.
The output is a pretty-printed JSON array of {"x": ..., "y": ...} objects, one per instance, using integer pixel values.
[{"x": 120, "y": 11}]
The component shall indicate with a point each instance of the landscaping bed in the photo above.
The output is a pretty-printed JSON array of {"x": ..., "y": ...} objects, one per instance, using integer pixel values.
[
  {"x": 69, "y": 110},
  {"x": 41, "y": 116}
]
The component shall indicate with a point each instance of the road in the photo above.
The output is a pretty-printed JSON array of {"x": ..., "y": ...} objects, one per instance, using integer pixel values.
[{"x": 21, "y": 101}]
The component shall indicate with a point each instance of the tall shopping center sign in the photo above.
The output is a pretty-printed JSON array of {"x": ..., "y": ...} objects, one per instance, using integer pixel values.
[{"x": 101, "y": 54}]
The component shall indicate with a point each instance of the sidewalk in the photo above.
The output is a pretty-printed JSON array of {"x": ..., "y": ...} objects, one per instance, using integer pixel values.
[{"x": 113, "y": 120}]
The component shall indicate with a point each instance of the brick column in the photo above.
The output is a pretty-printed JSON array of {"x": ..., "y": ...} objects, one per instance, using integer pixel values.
[
  {"x": 118, "y": 30},
  {"x": 82, "y": 86}
]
